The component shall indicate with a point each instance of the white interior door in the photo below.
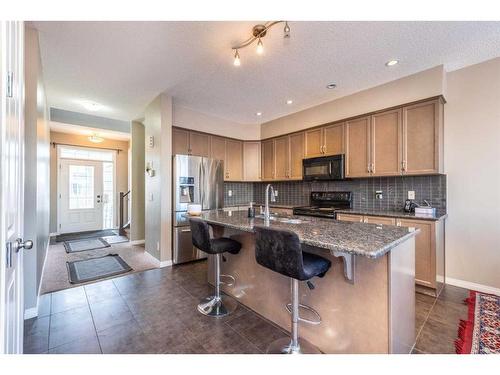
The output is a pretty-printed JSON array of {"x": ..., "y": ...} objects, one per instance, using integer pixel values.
[
  {"x": 11, "y": 186},
  {"x": 80, "y": 196}
]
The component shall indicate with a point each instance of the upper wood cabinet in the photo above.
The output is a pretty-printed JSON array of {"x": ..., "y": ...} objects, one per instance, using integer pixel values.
[
  {"x": 423, "y": 138},
  {"x": 251, "y": 161},
  {"x": 358, "y": 147},
  {"x": 324, "y": 141},
  {"x": 296, "y": 156},
  {"x": 187, "y": 142},
  {"x": 199, "y": 144},
  {"x": 386, "y": 143},
  {"x": 267, "y": 149},
  {"x": 281, "y": 158},
  {"x": 314, "y": 142},
  {"x": 218, "y": 148},
  {"x": 234, "y": 160},
  {"x": 180, "y": 141}
]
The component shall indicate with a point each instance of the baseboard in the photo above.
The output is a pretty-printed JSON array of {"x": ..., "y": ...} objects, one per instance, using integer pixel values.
[
  {"x": 31, "y": 313},
  {"x": 138, "y": 242},
  {"x": 440, "y": 278},
  {"x": 166, "y": 263},
  {"x": 473, "y": 286}
]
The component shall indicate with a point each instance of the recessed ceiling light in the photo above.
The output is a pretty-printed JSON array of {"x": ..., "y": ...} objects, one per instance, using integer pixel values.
[
  {"x": 259, "y": 113},
  {"x": 331, "y": 86},
  {"x": 391, "y": 62},
  {"x": 289, "y": 101}
]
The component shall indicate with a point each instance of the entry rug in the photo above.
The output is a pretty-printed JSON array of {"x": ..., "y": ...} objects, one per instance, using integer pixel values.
[
  {"x": 480, "y": 333},
  {"x": 85, "y": 244},
  {"x": 81, "y": 271}
]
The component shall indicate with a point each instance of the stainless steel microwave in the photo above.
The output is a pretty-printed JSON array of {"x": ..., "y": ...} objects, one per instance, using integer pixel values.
[{"x": 324, "y": 168}]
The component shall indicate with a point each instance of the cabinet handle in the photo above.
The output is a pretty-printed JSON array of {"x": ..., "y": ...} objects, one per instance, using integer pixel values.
[
  {"x": 404, "y": 165},
  {"x": 398, "y": 223},
  {"x": 324, "y": 149}
]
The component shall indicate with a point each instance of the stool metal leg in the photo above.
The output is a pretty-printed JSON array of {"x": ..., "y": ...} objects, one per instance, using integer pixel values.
[
  {"x": 293, "y": 345},
  {"x": 217, "y": 305}
]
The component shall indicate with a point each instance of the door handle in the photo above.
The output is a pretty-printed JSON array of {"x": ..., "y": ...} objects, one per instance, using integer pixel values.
[
  {"x": 28, "y": 244},
  {"x": 185, "y": 230}
]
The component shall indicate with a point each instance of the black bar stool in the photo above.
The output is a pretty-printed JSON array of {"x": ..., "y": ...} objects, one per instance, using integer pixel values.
[
  {"x": 217, "y": 305},
  {"x": 280, "y": 251}
]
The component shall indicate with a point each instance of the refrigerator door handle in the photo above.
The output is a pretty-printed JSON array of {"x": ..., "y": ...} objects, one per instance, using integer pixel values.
[{"x": 202, "y": 184}]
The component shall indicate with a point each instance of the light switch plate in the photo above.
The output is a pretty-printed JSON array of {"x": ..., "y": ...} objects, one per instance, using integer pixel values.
[{"x": 411, "y": 194}]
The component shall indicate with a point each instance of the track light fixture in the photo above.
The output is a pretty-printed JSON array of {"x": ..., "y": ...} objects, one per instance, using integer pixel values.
[{"x": 258, "y": 33}]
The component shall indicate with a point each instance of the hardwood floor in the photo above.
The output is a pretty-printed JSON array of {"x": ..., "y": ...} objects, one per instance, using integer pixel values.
[{"x": 155, "y": 312}]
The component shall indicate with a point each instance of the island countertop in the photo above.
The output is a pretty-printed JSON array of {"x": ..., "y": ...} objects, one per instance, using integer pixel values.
[{"x": 368, "y": 240}]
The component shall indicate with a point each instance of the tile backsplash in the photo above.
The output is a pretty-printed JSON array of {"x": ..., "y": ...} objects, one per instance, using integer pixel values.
[{"x": 394, "y": 191}]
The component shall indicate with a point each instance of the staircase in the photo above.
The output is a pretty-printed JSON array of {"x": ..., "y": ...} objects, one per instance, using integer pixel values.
[{"x": 123, "y": 228}]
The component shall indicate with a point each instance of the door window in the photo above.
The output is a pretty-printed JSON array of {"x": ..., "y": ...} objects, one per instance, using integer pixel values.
[{"x": 81, "y": 187}]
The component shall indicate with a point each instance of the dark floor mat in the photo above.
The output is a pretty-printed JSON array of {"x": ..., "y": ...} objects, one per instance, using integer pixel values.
[
  {"x": 85, "y": 245},
  {"x": 83, "y": 235},
  {"x": 80, "y": 271}
]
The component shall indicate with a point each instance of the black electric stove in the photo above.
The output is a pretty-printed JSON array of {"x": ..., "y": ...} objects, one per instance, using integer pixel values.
[{"x": 325, "y": 204}]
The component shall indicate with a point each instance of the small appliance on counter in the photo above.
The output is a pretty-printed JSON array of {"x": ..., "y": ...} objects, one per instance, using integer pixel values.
[
  {"x": 409, "y": 206},
  {"x": 198, "y": 185},
  {"x": 326, "y": 168},
  {"x": 325, "y": 204}
]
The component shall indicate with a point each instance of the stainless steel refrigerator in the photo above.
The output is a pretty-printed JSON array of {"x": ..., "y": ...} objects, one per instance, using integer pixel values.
[{"x": 195, "y": 180}]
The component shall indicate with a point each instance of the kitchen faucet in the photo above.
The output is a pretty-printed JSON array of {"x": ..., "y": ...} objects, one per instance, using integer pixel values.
[{"x": 267, "y": 214}]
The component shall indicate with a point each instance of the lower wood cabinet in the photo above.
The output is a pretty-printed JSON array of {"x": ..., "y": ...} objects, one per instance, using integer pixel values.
[{"x": 429, "y": 247}]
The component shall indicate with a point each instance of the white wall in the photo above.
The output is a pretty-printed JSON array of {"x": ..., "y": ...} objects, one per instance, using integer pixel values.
[
  {"x": 418, "y": 86},
  {"x": 472, "y": 163},
  {"x": 189, "y": 119},
  {"x": 158, "y": 189},
  {"x": 37, "y": 179}
]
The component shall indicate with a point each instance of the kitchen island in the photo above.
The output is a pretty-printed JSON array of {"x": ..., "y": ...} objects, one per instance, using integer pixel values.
[{"x": 366, "y": 300}]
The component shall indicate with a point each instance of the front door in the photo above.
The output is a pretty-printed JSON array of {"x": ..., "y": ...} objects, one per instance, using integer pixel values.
[
  {"x": 11, "y": 186},
  {"x": 80, "y": 196}
]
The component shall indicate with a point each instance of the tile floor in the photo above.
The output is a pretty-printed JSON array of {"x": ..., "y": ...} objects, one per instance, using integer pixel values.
[{"x": 153, "y": 312}]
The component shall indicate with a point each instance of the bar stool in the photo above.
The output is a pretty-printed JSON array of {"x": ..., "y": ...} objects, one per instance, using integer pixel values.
[
  {"x": 217, "y": 305},
  {"x": 280, "y": 251}
]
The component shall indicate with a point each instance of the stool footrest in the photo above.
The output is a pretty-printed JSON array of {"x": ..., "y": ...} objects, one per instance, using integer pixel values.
[
  {"x": 231, "y": 282},
  {"x": 308, "y": 308}
]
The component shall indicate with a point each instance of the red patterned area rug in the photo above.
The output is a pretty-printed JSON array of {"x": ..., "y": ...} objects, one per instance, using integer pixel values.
[{"x": 480, "y": 333}]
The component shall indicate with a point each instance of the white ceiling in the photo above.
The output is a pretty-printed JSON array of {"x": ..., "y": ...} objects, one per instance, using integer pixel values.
[{"x": 124, "y": 65}]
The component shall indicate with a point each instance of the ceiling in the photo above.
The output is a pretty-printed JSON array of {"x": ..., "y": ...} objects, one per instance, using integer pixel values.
[{"x": 124, "y": 65}]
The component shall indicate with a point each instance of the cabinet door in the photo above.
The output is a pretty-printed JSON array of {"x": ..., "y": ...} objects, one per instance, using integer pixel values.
[
  {"x": 296, "y": 156},
  {"x": 180, "y": 141},
  {"x": 386, "y": 143},
  {"x": 199, "y": 144},
  {"x": 234, "y": 160},
  {"x": 333, "y": 139},
  {"x": 218, "y": 151},
  {"x": 348, "y": 217},
  {"x": 380, "y": 220},
  {"x": 281, "y": 156},
  {"x": 314, "y": 142},
  {"x": 268, "y": 159},
  {"x": 357, "y": 147},
  {"x": 425, "y": 252},
  {"x": 251, "y": 161},
  {"x": 421, "y": 138}
]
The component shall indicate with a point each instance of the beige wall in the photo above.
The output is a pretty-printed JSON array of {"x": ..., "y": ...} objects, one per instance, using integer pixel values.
[
  {"x": 158, "y": 189},
  {"x": 82, "y": 140},
  {"x": 189, "y": 119},
  {"x": 137, "y": 181},
  {"x": 418, "y": 86},
  {"x": 472, "y": 163},
  {"x": 37, "y": 187}
]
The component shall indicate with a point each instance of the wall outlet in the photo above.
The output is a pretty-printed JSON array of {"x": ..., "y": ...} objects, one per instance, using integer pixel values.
[
  {"x": 411, "y": 194},
  {"x": 276, "y": 193},
  {"x": 151, "y": 196},
  {"x": 229, "y": 193},
  {"x": 158, "y": 246},
  {"x": 379, "y": 195}
]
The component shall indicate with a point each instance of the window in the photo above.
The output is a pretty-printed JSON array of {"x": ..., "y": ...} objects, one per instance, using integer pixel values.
[
  {"x": 85, "y": 154},
  {"x": 81, "y": 187}
]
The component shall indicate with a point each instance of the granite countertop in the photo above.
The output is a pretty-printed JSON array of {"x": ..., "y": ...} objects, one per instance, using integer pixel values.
[
  {"x": 369, "y": 240},
  {"x": 440, "y": 214}
]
